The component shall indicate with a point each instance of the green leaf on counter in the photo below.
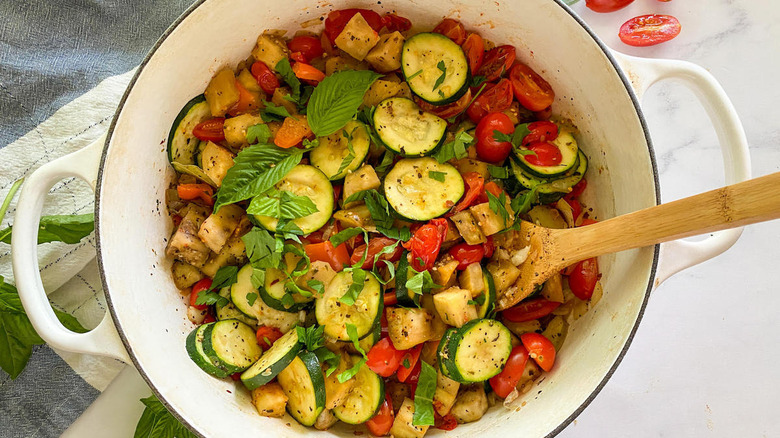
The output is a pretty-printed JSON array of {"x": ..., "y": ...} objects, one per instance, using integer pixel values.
[
  {"x": 59, "y": 228},
  {"x": 157, "y": 422}
]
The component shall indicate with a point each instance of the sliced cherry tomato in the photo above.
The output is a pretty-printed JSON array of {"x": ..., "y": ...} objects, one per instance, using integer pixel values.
[
  {"x": 204, "y": 192},
  {"x": 607, "y": 5},
  {"x": 577, "y": 190},
  {"x": 504, "y": 382},
  {"x": 210, "y": 130},
  {"x": 197, "y": 288},
  {"x": 383, "y": 358},
  {"x": 337, "y": 257},
  {"x": 489, "y": 247},
  {"x": 306, "y": 73},
  {"x": 292, "y": 132},
  {"x": 530, "y": 310},
  {"x": 308, "y": 46},
  {"x": 265, "y": 78},
  {"x": 488, "y": 148},
  {"x": 267, "y": 335},
  {"x": 467, "y": 254},
  {"x": 496, "y": 62},
  {"x": 247, "y": 101},
  {"x": 395, "y": 23},
  {"x": 447, "y": 422},
  {"x": 452, "y": 29},
  {"x": 494, "y": 99},
  {"x": 411, "y": 356},
  {"x": 390, "y": 299},
  {"x": 531, "y": 90},
  {"x": 547, "y": 154},
  {"x": 540, "y": 131},
  {"x": 446, "y": 111},
  {"x": 381, "y": 423},
  {"x": 376, "y": 244},
  {"x": 649, "y": 30},
  {"x": 336, "y": 21},
  {"x": 540, "y": 349},
  {"x": 474, "y": 48},
  {"x": 426, "y": 243},
  {"x": 474, "y": 184},
  {"x": 583, "y": 278}
]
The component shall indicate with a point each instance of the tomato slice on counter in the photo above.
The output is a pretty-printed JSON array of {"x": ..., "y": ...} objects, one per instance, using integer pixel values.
[
  {"x": 530, "y": 310},
  {"x": 210, "y": 130},
  {"x": 474, "y": 185},
  {"x": 504, "y": 382},
  {"x": 375, "y": 245},
  {"x": 267, "y": 335},
  {"x": 452, "y": 29},
  {"x": 265, "y": 78},
  {"x": 607, "y": 5},
  {"x": 649, "y": 30},
  {"x": 410, "y": 357},
  {"x": 383, "y": 358},
  {"x": 467, "y": 254},
  {"x": 197, "y": 288},
  {"x": 425, "y": 244},
  {"x": 336, "y": 21},
  {"x": 540, "y": 349},
  {"x": 308, "y": 46},
  {"x": 493, "y": 99},
  {"x": 531, "y": 90},
  {"x": 496, "y": 62},
  {"x": 583, "y": 278},
  {"x": 540, "y": 131},
  {"x": 395, "y": 23},
  {"x": 381, "y": 423},
  {"x": 474, "y": 48},
  {"x": 488, "y": 148},
  {"x": 324, "y": 251}
]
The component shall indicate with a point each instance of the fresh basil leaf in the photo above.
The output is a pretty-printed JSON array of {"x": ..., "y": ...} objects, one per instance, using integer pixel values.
[
  {"x": 402, "y": 233},
  {"x": 355, "y": 339},
  {"x": 259, "y": 133},
  {"x": 350, "y": 153},
  {"x": 318, "y": 286},
  {"x": 438, "y": 176},
  {"x": 225, "y": 276},
  {"x": 423, "y": 396},
  {"x": 59, "y": 228},
  {"x": 476, "y": 81},
  {"x": 379, "y": 208},
  {"x": 272, "y": 112},
  {"x": 344, "y": 235},
  {"x": 389, "y": 249},
  {"x": 9, "y": 197},
  {"x": 256, "y": 170},
  {"x": 251, "y": 298},
  {"x": 443, "y": 68},
  {"x": 326, "y": 356},
  {"x": 284, "y": 68},
  {"x": 387, "y": 161},
  {"x": 157, "y": 422},
  {"x": 414, "y": 75},
  {"x": 282, "y": 205},
  {"x": 457, "y": 148},
  {"x": 519, "y": 134},
  {"x": 352, "y": 294},
  {"x": 209, "y": 298},
  {"x": 336, "y": 100},
  {"x": 498, "y": 205},
  {"x": 498, "y": 172},
  {"x": 262, "y": 249},
  {"x": 311, "y": 337},
  {"x": 421, "y": 282},
  {"x": 523, "y": 201},
  {"x": 69, "y": 321},
  {"x": 350, "y": 373}
]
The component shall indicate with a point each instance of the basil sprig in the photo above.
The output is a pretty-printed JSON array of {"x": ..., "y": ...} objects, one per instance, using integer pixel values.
[
  {"x": 423, "y": 396},
  {"x": 336, "y": 99}
]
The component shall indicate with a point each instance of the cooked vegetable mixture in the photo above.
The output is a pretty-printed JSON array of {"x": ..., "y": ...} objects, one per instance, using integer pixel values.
[{"x": 346, "y": 209}]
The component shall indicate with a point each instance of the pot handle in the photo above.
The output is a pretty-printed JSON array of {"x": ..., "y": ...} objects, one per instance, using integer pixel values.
[
  {"x": 103, "y": 340},
  {"x": 643, "y": 73}
]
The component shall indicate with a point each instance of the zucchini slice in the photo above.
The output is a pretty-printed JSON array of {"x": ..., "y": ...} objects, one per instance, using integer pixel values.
[
  {"x": 229, "y": 310},
  {"x": 475, "y": 352},
  {"x": 566, "y": 143},
  {"x": 364, "y": 314},
  {"x": 422, "y": 188},
  {"x": 405, "y": 297},
  {"x": 308, "y": 181},
  {"x": 435, "y": 68},
  {"x": 485, "y": 309},
  {"x": 333, "y": 150},
  {"x": 231, "y": 345},
  {"x": 550, "y": 190},
  {"x": 195, "y": 350},
  {"x": 364, "y": 400},
  {"x": 304, "y": 385},
  {"x": 273, "y": 361},
  {"x": 248, "y": 301},
  {"x": 406, "y": 129},
  {"x": 183, "y": 147}
]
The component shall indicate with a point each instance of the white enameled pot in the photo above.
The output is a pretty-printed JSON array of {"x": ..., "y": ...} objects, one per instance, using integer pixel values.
[{"x": 147, "y": 324}]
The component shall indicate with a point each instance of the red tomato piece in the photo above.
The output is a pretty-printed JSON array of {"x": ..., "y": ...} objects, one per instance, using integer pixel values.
[
  {"x": 474, "y": 185},
  {"x": 210, "y": 130},
  {"x": 308, "y": 46},
  {"x": 426, "y": 243},
  {"x": 504, "y": 382},
  {"x": 209, "y": 318},
  {"x": 446, "y": 111},
  {"x": 577, "y": 190},
  {"x": 474, "y": 48},
  {"x": 540, "y": 349},
  {"x": 494, "y": 99},
  {"x": 414, "y": 377},
  {"x": 447, "y": 422},
  {"x": 383, "y": 358},
  {"x": 390, "y": 299},
  {"x": 375, "y": 245},
  {"x": 412, "y": 356},
  {"x": 467, "y": 254},
  {"x": 305, "y": 72},
  {"x": 547, "y": 154},
  {"x": 531, "y": 90},
  {"x": 489, "y": 247},
  {"x": 452, "y": 29},
  {"x": 395, "y": 23},
  {"x": 488, "y": 148},
  {"x": 197, "y": 288},
  {"x": 530, "y": 310},
  {"x": 576, "y": 207},
  {"x": 188, "y": 192},
  {"x": 540, "y": 131},
  {"x": 247, "y": 102},
  {"x": 381, "y": 423},
  {"x": 583, "y": 278},
  {"x": 324, "y": 251},
  {"x": 265, "y": 78},
  {"x": 588, "y": 221},
  {"x": 544, "y": 114},
  {"x": 267, "y": 335},
  {"x": 336, "y": 21},
  {"x": 607, "y": 5},
  {"x": 497, "y": 61},
  {"x": 649, "y": 30}
]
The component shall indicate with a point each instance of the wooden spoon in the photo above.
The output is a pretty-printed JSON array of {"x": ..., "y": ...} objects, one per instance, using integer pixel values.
[{"x": 748, "y": 202}]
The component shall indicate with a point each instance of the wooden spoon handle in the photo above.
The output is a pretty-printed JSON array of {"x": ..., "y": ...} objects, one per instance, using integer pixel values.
[{"x": 748, "y": 202}]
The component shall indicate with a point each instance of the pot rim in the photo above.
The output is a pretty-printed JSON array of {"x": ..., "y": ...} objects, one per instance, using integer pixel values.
[{"x": 138, "y": 366}]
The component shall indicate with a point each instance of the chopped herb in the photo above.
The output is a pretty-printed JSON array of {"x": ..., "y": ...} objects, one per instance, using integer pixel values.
[
  {"x": 438, "y": 176},
  {"x": 281, "y": 205},
  {"x": 457, "y": 148},
  {"x": 352, "y": 294},
  {"x": 406, "y": 363},
  {"x": 421, "y": 282},
  {"x": 441, "y": 66},
  {"x": 272, "y": 112},
  {"x": 251, "y": 298},
  {"x": 476, "y": 81},
  {"x": 423, "y": 396},
  {"x": 259, "y": 133},
  {"x": 350, "y": 153},
  {"x": 498, "y": 172},
  {"x": 344, "y": 235},
  {"x": 414, "y": 75},
  {"x": 498, "y": 205}
]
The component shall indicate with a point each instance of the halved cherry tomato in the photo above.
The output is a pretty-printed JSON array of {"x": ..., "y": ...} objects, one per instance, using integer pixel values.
[
  {"x": 547, "y": 154},
  {"x": 504, "y": 382},
  {"x": 197, "y": 288},
  {"x": 496, "y": 98},
  {"x": 265, "y": 78},
  {"x": 390, "y": 299},
  {"x": 474, "y": 184},
  {"x": 607, "y": 5},
  {"x": 425, "y": 244},
  {"x": 452, "y": 29},
  {"x": 447, "y": 422},
  {"x": 489, "y": 246},
  {"x": 395, "y": 23},
  {"x": 467, "y": 254},
  {"x": 649, "y": 30},
  {"x": 577, "y": 189},
  {"x": 292, "y": 132},
  {"x": 337, "y": 257},
  {"x": 491, "y": 187},
  {"x": 204, "y": 192},
  {"x": 583, "y": 278},
  {"x": 530, "y": 310},
  {"x": 383, "y": 358},
  {"x": 210, "y": 130},
  {"x": 376, "y": 244},
  {"x": 308, "y": 46},
  {"x": 496, "y": 62},
  {"x": 540, "y": 131},
  {"x": 247, "y": 102},
  {"x": 267, "y": 335},
  {"x": 488, "y": 148},
  {"x": 540, "y": 349},
  {"x": 446, "y": 111},
  {"x": 305, "y": 72},
  {"x": 381, "y": 423},
  {"x": 411, "y": 356},
  {"x": 474, "y": 48},
  {"x": 336, "y": 21},
  {"x": 531, "y": 90}
]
